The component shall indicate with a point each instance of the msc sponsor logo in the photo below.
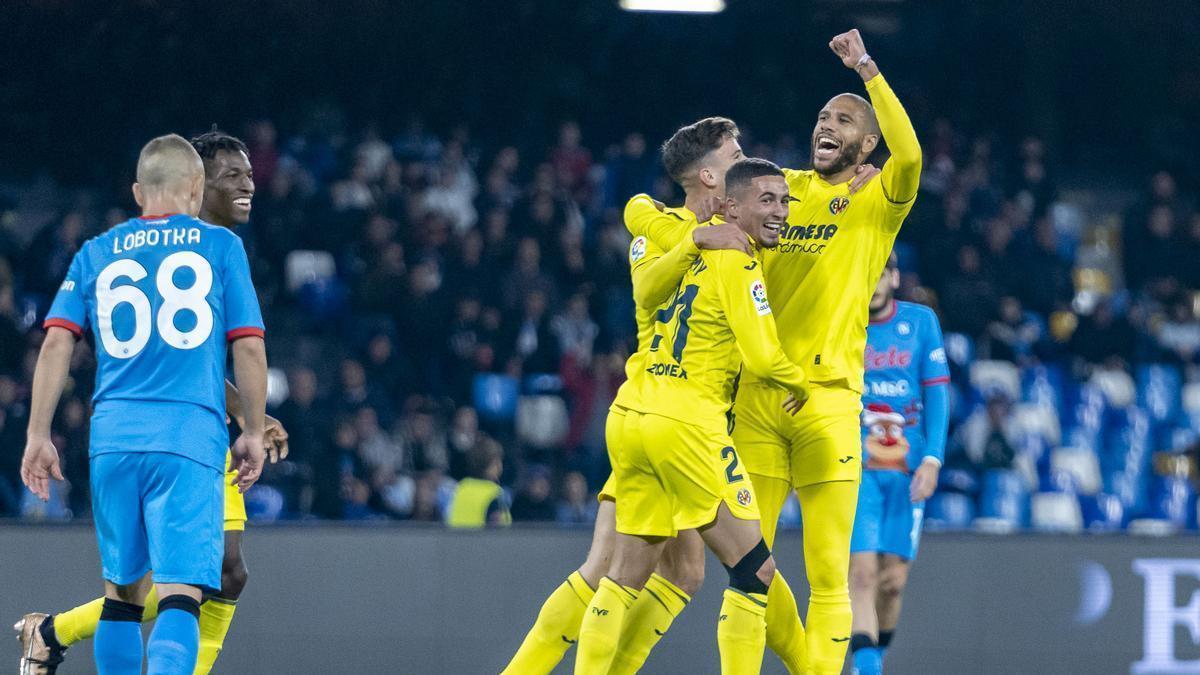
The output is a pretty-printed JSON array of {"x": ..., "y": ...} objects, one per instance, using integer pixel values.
[
  {"x": 890, "y": 388},
  {"x": 665, "y": 370},
  {"x": 805, "y": 238},
  {"x": 838, "y": 204},
  {"x": 743, "y": 497},
  {"x": 637, "y": 249},
  {"x": 892, "y": 358}
]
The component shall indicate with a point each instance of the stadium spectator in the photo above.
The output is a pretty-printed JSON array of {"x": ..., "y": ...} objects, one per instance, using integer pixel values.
[
  {"x": 574, "y": 507},
  {"x": 478, "y": 499},
  {"x": 533, "y": 502}
]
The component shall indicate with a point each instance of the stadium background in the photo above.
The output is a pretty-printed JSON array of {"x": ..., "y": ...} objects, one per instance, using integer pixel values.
[{"x": 437, "y": 241}]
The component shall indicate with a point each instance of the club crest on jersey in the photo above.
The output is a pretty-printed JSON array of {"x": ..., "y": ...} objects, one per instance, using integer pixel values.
[
  {"x": 637, "y": 249},
  {"x": 758, "y": 293},
  {"x": 838, "y": 204},
  {"x": 743, "y": 497},
  {"x": 904, "y": 328}
]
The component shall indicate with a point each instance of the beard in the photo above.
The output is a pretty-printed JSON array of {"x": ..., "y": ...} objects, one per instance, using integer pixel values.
[{"x": 848, "y": 157}]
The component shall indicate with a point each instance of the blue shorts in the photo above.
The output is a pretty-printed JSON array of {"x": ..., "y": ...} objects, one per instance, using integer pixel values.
[
  {"x": 886, "y": 520},
  {"x": 158, "y": 511}
]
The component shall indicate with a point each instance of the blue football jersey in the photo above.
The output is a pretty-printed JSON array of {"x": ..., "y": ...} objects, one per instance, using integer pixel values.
[
  {"x": 904, "y": 353},
  {"x": 162, "y": 295}
]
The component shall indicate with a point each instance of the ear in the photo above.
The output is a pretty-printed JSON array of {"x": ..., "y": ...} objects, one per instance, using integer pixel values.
[
  {"x": 137, "y": 195},
  {"x": 707, "y": 178},
  {"x": 870, "y": 142}
]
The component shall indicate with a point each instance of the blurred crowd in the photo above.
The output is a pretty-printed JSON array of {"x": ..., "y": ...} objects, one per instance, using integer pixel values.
[{"x": 432, "y": 304}]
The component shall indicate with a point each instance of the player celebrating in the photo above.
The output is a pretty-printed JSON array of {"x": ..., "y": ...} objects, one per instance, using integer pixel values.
[
  {"x": 680, "y": 470},
  {"x": 228, "y": 191},
  {"x": 904, "y": 434},
  {"x": 162, "y": 295},
  {"x": 822, "y": 276}
]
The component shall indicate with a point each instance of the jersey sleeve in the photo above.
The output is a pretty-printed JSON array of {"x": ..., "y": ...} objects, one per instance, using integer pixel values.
[
  {"x": 69, "y": 309},
  {"x": 934, "y": 368},
  {"x": 643, "y": 219},
  {"x": 656, "y": 274},
  {"x": 901, "y": 174},
  {"x": 744, "y": 301},
  {"x": 243, "y": 318},
  {"x": 935, "y": 392}
]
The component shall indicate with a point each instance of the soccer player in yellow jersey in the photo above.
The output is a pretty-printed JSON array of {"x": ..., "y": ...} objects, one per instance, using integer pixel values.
[
  {"x": 714, "y": 149},
  {"x": 679, "y": 469},
  {"x": 822, "y": 276},
  {"x": 228, "y": 191}
]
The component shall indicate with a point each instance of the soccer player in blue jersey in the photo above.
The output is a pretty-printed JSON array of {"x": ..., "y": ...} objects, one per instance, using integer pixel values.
[
  {"x": 906, "y": 404},
  {"x": 162, "y": 296},
  {"x": 228, "y": 192}
]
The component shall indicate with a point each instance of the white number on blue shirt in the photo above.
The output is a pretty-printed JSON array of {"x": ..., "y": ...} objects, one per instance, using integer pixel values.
[{"x": 175, "y": 300}]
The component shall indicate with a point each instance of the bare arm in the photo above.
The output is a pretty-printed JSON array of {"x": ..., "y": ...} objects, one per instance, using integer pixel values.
[
  {"x": 250, "y": 369},
  {"x": 274, "y": 435},
  {"x": 40, "y": 462}
]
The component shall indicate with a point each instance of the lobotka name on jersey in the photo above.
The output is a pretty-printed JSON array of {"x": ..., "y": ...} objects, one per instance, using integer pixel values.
[{"x": 167, "y": 236}]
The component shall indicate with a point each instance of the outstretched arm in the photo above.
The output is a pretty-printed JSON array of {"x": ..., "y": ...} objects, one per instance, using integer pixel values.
[{"x": 902, "y": 172}]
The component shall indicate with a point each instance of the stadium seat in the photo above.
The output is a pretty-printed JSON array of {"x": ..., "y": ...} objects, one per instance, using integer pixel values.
[
  {"x": 1045, "y": 386},
  {"x": 949, "y": 511},
  {"x": 960, "y": 349},
  {"x": 1102, "y": 512},
  {"x": 264, "y": 504},
  {"x": 306, "y": 267},
  {"x": 1042, "y": 420},
  {"x": 495, "y": 396},
  {"x": 1059, "y": 481},
  {"x": 1005, "y": 498},
  {"x": 1171, "y": 499},
  {"x": 542, "y": 421},
  {"x": 1056, "y": 512},
  {"x": 958, "y": 480},
  {"x": 988, "y": 377},
  {"x": 1159, "y": 391},
  {"x": 1191, "y": 405},
  {"x": 1117, "y": 386},
  {"x": 1081, "y": 464}
]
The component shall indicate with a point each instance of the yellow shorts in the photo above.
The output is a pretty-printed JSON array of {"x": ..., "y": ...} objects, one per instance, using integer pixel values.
[
  {"x": 823, "y": 442},
  {"x": 614, "y": 440},
  {"x": 673, "y": 476},
  {"x": 235, "y": 504}
]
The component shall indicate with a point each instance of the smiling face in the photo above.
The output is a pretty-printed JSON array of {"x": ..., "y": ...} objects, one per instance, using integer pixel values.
[
  {"x": 760, "y": 208},
  {"x": 228, "y": 188},
  {"x": 844, "y": 135}
]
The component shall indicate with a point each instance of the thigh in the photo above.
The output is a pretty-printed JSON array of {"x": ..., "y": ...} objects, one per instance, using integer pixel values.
[
  {"x": 902, "y": 518},
  {"x": 184, "y": 517},
  {"x": 235, "y": 503},
  {"x": 757, "y": 431},
  {"x": 772, "y": 494},
  {"x": 825, "y": 438},
  {"x": 868, "y": 516},
  {"x": 117, "y": 514},
  {"x": 644, "y": 506}
]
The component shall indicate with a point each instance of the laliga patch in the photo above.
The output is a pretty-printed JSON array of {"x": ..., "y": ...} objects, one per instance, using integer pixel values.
[
  {"x": 743, "y": 497},
  {"x": 758, "y": 293},
  {"x": 637, "y": 249},
  {"x": 838, "y": 204}
]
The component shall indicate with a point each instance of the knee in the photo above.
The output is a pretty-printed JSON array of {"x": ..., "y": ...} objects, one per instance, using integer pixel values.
[
  {"x": 133, "y": 594},
  {"x": 863, "y": 577},
  {"x": 766, "y": 573},
  {"x": 891, "y": 585},
  {"x": 754, "y": 572},
  {"x": 234, "y": 576},
  {"x": 687, "y": 573}
]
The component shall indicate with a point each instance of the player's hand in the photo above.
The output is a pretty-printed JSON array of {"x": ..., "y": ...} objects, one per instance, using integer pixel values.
[
  {"x": 39, "y": 465},
  {"x": 924, "y": 482},
  {"x": 248, "y": 458},
  {"x": 275, "y": 437},
  {"x": 709, "y": 207},
  {"x": 792, "y": 405},
  {"x": 726, "y": 236},
  {"x": 863, "y": 175},
  {"x": 849, "y": 47}
]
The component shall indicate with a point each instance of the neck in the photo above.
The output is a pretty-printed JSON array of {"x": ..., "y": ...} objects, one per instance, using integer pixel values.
[
  {"x": 213, "y": 219},
  {"x": 693, "y": 199},
  {"x": 844, "y": 176},
  {"x": 162, "y": 205},
  {"x": 885, "y": 311}
]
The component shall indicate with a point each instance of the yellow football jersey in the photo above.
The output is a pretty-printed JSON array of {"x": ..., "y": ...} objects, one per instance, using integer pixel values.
[
  {"x": 670, "y": 243},
  {"x": 834, "y": 248},
  {"x": 718, "y": 319}
]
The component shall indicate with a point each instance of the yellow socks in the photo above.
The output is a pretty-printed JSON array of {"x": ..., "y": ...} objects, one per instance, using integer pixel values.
[
  {"x": 741, "y": 632},
  {"x": 555, "y": 630},
  {"x": 646, "y": 622},
  {"x": 215, "y": 616},
  {"x": 828, "y": 512},
  {"x": 80, "y": 622},
  {"x": 600, "y": 631},
  {"x": 785, "y": 633}
]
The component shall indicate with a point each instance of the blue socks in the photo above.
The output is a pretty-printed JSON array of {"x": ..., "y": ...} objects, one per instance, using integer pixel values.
[
  {"x": 868, "y": 657},
  {"x": 175, "y": 641},
  {"x": 118, "y": 643}
]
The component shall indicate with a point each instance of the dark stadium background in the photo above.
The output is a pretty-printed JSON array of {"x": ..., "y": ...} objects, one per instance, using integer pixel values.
[{"x": 1068, "y": 126}]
